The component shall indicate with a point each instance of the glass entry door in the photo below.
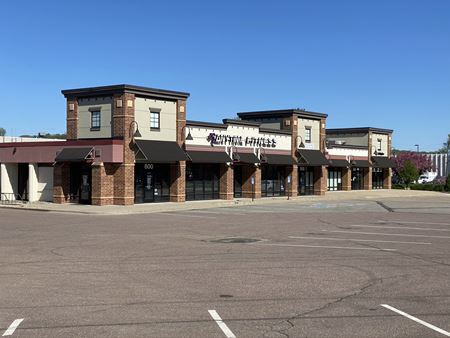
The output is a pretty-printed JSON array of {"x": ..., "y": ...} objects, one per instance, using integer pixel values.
[
  {"x": 305, "y": 181},
  {"x": 357, "y": 178},
  {"x": 152, "y": 183},
  {"x": 80, "y": 183},
  {"x": 377, "y": 178}
]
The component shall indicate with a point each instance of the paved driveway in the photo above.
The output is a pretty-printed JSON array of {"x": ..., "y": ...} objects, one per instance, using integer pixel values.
[{"x": 342, "y": 268}]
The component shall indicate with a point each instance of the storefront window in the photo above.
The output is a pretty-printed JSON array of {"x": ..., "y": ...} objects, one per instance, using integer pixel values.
[
  {"x": 334, "y": 179},
  {"x": 202, "y": 181},
  {"x": 357, "y": 178},
  {"x": 272, "y": 180},
  {"x": 152, "y": 183},
  {"x": 305, "y": 181}
]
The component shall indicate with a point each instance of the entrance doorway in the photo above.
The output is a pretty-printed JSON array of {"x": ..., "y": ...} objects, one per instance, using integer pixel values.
[
  {"x": 377, "y": 178},
  {"x": 80, "y": 183},
  {"x": 306, "y": 181},
  {"x": 237, "y": 172},
  {"x": 357, "y": 178},
  {"x": 22, "y": 182},
  {"x": 152, "y": 183},
  {"x": 202, "y": 181}
]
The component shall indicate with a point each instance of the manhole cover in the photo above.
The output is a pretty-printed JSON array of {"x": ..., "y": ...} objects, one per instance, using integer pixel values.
[{"x": 235, "y": 240}]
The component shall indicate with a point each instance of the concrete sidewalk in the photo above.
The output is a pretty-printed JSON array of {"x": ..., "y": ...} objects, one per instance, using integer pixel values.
[{"x": 192, "y": 205}]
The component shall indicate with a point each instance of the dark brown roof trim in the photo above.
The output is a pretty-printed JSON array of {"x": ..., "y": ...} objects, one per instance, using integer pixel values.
[
  {"x": 275, "y": 131},
  {"x": 347, "y": 146},
  {"x": 241, "y": 122},
  {"x": 206, "y": 124},
  {"x": 281, "y": 112},
  {"x": 124, "y": 88},
  {"x": 358, "y": 130}
]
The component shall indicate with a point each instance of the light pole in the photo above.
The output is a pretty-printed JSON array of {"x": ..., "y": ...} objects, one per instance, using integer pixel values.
[{"x": 417, "y": 147}]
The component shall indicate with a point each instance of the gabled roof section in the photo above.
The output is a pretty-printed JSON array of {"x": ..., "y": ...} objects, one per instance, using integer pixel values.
[
  {"x": 281, "y": 113},
  {"x": 124, "y": 88}
]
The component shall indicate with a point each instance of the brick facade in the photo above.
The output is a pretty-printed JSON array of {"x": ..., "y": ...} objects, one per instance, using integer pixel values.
[
  {"x": 346, "y": 179},
  {"x": 226, "y": 182},
  {"x": 387, "y": 178},
  {"x": 72, "y": 119},
  {"x": 320, "y": 180},
  {"x": 61, "y": 183},
  {"x": 102, "y": 184},
  {"x": 178, "y": 182},
  {"x": 291, "y": 187},
  {"x": 368, "y": 178},
  {"x": 249, "y": 190}
]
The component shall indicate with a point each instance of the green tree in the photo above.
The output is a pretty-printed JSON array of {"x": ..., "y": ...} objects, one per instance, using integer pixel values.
[
  {"x": 445, "y": 146},
  {"x": 408, "y": 173},
  {"x": 2, "y": 131}
]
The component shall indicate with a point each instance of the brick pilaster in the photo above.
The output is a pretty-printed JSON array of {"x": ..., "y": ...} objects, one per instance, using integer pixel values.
[
  {"x": 123, "y": 116},
  {"x": 61, "y": 183},
  {"x": 249, "y": 171},
  {"x": 291, "y": 188},
  {"x": 320, "y": 180},
  {"x": 346, "y": 179},
  {"x": 178, "y": 182},
  {"x": 72, "y": 119},
  {"x": 226, "y": 182},
  {"x": 323, "y": 135},
  {"x": 387, "y": 178},
  {"x": 102, "y": 184},
  {"x": 368, "y": 178}
]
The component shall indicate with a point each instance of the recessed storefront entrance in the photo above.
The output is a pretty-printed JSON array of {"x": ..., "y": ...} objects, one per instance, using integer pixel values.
[
  {"x": 237, "y": 183},
  {"x": 80, "y": 183},
  {"x": 202, "y": 181},
  {"x": 22, "y": 181},
  {"x": 357, "y": 178},
  {"x": 306, "y": 181},
  {"x": 272, "y": 180},
  {"x": 152, "y": 183}
]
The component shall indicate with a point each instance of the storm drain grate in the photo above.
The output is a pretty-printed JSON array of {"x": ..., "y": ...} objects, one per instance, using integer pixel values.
[{"x": 235, "y": 240}]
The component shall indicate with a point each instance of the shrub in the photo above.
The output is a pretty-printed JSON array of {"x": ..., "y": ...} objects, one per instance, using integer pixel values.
[{"x": 408, "y": 173}]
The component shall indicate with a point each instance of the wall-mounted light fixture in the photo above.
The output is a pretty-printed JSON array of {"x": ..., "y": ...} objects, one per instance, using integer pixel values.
[{"x": 134, "y": 133}]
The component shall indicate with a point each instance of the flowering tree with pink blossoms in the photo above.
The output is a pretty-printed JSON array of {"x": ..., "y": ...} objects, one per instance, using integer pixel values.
[{"x": 421, "y": 161}]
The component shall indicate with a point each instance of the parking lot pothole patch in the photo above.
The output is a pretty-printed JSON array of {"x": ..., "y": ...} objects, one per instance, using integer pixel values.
[
  {"x": 234, "y": 240},
  {"x": 226, "y": 296}
]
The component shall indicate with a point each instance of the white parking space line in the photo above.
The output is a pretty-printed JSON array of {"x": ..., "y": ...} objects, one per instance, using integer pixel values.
[
  {"x": 412, "y": 222},
  {"x": 417, "y": 320},
  {"x": 383, "y": 234},
  {"x": 12, "y": 327},
  {"x": 360, "y": 240},
  {"x": 221, "y": 324},
  {"x": 326, "y": 247},
  {"x": 393, "y": 227}
]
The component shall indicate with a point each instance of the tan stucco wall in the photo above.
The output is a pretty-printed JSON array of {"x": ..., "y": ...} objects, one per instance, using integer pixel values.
[
  {"x": 384, "y": 143},
  {"x": 315, "y": 132},
  {"x": 168, "y": 119},
  {"x": 84, "y": 115}
]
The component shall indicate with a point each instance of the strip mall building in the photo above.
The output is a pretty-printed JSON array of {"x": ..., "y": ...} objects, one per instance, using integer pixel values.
[{"x": 128, "y": 144}]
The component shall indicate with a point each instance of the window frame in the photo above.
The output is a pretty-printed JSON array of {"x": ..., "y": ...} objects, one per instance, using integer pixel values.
[
  {"x": 97, "y": 119},
  {"x": 158, "y": 113},
  {"x": 308, "y": 134},
  {"x": 379, "y": 143}
]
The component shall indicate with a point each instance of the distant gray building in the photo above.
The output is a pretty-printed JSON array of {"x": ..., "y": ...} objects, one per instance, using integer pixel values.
[{"x": 440, "y": 163}]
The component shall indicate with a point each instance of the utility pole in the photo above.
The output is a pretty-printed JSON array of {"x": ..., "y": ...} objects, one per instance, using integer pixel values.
[{"x": 417, "y": 147}]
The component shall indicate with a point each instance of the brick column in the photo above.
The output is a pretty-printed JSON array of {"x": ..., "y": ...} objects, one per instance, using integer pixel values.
[
  {"x": 72, "y": 119},
  {"x": 123, "y": 116},
  {"x": 178, "y": 170},
  {"x": 387, "y": 178},
  {"x": 346, "y": 179},
  {"x": 226, "y": 182},
  {"x": 368, "y": 178},
  {"x": 291, "y": 188},
  {"x": 178, "y": 182},
  {"x": 249, "y": 171},
  {"x": 320, "y": 180},
  {"x": 61, "y": 183},
  {"x": 102, "y": 184}
]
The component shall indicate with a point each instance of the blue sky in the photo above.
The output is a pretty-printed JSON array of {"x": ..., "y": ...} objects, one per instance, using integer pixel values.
[{"x": 366, "y": 63}]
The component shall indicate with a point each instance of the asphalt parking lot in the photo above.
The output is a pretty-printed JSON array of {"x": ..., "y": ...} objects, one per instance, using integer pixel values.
[{"x": 324, "y": 269}]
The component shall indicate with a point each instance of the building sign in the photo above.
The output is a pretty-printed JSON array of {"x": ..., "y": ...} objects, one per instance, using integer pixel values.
[{"x": 228, "y": 140}]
